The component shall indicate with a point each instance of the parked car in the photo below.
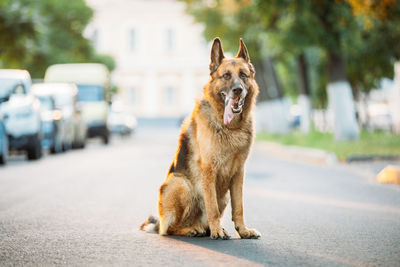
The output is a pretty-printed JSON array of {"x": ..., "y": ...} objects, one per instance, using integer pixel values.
[
  {"x": 52, "y": 120},
  {"x": 92, "y": 80},
  {"x": 74, "y": 129},
  {"x": 3, "y": 143},
  {"x": 21, "y": 112},
  {"x": 121, "y": 122}
]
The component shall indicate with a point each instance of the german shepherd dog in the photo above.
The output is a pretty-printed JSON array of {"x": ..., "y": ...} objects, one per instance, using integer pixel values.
[{"x": 213, "y": 146}]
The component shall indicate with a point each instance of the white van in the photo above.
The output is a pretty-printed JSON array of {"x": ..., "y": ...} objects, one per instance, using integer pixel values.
[
  {"x": 21, "y": 112},
  {"x": 92, "y": 81}
]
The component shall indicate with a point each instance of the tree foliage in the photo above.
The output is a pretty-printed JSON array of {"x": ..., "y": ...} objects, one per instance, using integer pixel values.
[
  {"x": 35, "y": 34},
  {"x": 234, "y": 19},
  {"x": 364, "y": 34},
  {"x": 17, "y": 32},
  {"x": 229, "y": 19}
]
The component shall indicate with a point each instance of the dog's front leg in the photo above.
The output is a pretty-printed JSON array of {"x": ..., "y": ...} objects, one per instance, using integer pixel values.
[
  {"x": 211, "y": 203},
  {"x": 236, "y": 191}
]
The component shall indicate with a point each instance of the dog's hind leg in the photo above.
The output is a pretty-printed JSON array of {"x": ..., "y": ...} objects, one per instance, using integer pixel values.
[
  {"x": 165, "y": 223},
  {"x": 178, "y": 208},
  {"x": 170, "y": 205},
  {"x": 192, "y": 231}
]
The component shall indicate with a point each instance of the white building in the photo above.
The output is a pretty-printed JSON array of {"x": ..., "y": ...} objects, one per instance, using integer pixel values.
[{"x": 161, "y": 57}]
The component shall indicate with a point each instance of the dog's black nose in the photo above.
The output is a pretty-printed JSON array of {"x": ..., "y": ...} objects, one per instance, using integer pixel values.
[{"x": 237, "y": 91}]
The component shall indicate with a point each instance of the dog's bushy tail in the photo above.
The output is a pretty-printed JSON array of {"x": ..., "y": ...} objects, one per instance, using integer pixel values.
[{"x": 151, "y": 225}]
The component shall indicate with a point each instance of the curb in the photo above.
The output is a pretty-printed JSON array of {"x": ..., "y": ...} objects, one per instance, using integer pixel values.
[
  {"x": 371, "y": 157},
  {"x": 389, "y": 175},
  {"x": 304, "y": 154}
]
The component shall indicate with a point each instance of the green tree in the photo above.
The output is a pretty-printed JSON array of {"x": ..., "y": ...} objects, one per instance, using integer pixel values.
[
  {"x": 381, "y": 34},
  {"x": 376, "y": 47},
  {"x": 230, "y": 20},
  {"x": 17, "y": 32},
  {"x": 329, "y": 25},
  {"x": 284, "y": 22},
  {"x": 55, "y": 35}
]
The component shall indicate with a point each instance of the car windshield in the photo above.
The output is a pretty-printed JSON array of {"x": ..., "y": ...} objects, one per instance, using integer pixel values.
[
  {"x": 46, "y": 102},
  {"x": 90, "y": 93},
  {"x": 6, "y": 88}
]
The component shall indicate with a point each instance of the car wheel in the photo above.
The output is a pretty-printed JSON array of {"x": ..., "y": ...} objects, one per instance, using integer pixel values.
[
  {"x": 75, "y": 145},
  {"x": 4, "y": 152},
  {"x": 57, "y": 145},
  {"x": 67, "y": 146},
  {"x": 79, "y": 144},
  {"x": 83, "y": 143},
  {"x": 106, "y": 139},
  {"x": 35, "y": 148}
]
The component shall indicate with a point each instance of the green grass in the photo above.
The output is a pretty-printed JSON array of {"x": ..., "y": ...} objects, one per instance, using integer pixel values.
[{"x": 369, "y": 143}]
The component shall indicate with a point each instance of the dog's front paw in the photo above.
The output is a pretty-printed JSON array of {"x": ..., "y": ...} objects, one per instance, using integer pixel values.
[
  {"x": 219, "y": 233},
  {"x": 249, "y": 233}
]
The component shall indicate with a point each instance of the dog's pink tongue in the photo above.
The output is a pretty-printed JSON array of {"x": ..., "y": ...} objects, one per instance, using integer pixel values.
[{"x": 228, "y": 113}]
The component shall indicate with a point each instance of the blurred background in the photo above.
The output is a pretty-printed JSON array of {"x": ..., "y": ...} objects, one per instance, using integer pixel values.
[
  {"x": 97, "y": 90},
  {"x": 328, "y": 71}
]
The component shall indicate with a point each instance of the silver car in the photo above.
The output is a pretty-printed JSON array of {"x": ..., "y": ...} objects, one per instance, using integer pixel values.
[{"x": 74, "y": 127}]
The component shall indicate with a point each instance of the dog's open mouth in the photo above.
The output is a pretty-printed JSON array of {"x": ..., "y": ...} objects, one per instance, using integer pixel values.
[{"x": 232, "y": 106}]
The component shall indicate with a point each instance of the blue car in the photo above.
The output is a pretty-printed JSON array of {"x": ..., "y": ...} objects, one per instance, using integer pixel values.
[{"x": 52, "y": 123}]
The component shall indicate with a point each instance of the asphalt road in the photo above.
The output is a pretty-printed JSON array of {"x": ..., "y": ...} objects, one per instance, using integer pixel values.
[{"x": 83, "y": 208}]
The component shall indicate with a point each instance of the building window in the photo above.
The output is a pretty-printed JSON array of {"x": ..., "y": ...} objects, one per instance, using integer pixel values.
[
  {"x": 170, "y": 96},
  {"x": 170, "y": 40},
  {"x": 132, "y": 39},
  {"x": 133, "y": 95}
]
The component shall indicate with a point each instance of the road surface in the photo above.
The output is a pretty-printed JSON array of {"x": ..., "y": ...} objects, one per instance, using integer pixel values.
[{"x": 84, "y": 207}]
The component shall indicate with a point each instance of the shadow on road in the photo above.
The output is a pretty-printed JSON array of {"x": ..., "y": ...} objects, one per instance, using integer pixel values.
[
  {"x": 246, "y": 252},
  {"x": 250, "y": 252}
]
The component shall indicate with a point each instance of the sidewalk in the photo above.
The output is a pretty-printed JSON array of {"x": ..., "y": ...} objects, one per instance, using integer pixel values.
[
  {"x": 367, "y": 165},
  {"x": 297, "y": 153}
]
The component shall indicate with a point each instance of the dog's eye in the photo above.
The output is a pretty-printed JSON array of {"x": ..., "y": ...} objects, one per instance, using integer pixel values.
[
  {"x": 227, "y": 76},
  {"x": 243, "y": 75}
]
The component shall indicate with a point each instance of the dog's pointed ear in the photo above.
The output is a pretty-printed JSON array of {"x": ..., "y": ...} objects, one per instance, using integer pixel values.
[
  {"x": 243, "y": 53},
  {"x": 217, "y": 55}
]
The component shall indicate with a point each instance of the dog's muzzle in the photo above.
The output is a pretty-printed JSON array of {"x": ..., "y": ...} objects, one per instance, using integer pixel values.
[
  {"x": 237, "y": 105},
  {"x": 232, "y": 106}
]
